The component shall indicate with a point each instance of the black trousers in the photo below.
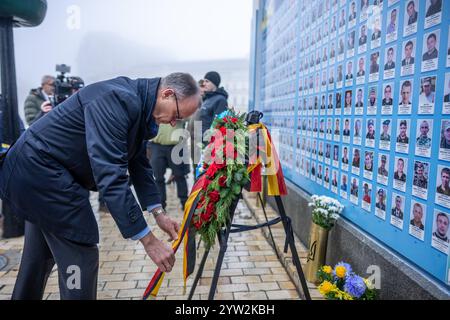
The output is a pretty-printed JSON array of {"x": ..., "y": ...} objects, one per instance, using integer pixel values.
[
  {"x": 77, "y": 266},
  {"x": 160, "y": 160}
]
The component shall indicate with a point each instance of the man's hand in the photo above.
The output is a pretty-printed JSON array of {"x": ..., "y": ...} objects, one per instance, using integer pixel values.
[
  {"x": 159, "y": 252},
  {"x": 46, "y": 106},
  {"x": 168, "y": 225}
]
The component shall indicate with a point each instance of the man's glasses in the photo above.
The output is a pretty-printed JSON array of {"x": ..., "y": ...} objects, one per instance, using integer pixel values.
[{"x": 178, "y": 110}]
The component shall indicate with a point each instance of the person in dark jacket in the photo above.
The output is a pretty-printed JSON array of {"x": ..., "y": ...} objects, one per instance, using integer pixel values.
[
  {"x": 214, "y": 100},
  {"x": 38, "y": 101},
  {"x": 91, "y": 142}
]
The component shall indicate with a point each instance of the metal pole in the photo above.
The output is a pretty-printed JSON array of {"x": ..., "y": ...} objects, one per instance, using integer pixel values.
[{"x": 13, "y": 226}]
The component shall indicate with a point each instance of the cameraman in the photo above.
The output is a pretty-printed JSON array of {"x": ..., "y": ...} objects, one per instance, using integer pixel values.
[{"x": 38, "y": 101}]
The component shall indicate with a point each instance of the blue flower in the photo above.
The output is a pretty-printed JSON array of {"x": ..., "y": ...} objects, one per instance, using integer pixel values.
[
  {"x": 355, "y": 286},
  {"x": 347, "y": 267}
]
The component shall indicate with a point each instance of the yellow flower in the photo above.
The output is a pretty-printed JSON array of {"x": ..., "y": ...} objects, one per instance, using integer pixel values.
[
  {"x": 327, "y": 269},
  {"x": 340, "y": 271},
  {"x": 325, "y": 287},
  {"x": 368, "y": 283}
]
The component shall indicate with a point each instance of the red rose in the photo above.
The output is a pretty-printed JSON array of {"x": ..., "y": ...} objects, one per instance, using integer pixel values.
[
  {"x": 223, "y": 181},
  {"x": 225, "y": 120},
  {"x": 198, "y": 224},
  {"x": 212, "y": 139},
  {"x": 234, "y": 120},
  {"x": 221, "y": 165},
  {"x": 214, "y": 196},
  {"x": 206, "y": 183},
  {"x": 223, "y": 131},
  {"x": 211, "y": 170},
  {"x": 210, "y": 209},
  {"x": 206, "y": 216}
]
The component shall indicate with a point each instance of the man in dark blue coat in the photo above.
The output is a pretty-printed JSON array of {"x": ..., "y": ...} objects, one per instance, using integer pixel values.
[
  {"x": 214, "y": 100},
  {"x": 90, "y": 142}
]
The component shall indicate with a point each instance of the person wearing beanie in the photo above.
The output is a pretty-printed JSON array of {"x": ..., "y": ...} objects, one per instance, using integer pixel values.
[{"x": 214, "y": 99}]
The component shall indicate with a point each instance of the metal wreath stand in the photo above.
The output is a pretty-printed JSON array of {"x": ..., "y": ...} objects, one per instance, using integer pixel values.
[{"x": 230, "y": 227}]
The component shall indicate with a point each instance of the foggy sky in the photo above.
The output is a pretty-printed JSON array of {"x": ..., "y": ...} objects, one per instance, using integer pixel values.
[{"x": 104, "y": 36}]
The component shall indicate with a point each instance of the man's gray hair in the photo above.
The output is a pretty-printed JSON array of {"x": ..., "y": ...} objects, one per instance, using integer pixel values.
[
  {"x": 183, "y": 84},
  {"x": 45, "y": 79}
]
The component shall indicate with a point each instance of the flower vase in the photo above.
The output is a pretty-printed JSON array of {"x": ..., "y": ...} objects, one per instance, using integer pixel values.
[{"x": 317, "y": 251}]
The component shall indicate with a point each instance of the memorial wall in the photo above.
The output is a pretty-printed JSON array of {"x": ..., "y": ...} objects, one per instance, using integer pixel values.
[{"x": 359, "y": 93}]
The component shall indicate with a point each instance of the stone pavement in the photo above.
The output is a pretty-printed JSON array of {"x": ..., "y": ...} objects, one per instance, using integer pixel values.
[{"x": 251, "y": 269}]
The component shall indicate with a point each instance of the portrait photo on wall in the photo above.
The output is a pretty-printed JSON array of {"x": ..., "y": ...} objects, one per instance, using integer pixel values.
[
  {"x": 349, "y": 74},
  {"x": 334, "y": 181},
  {"x": 424, "y": 137},
  {"x": 417, "y": 219},
  {"x": 383, "y": 169},
  {"x": 392, "y": 25},
  {"x": 351, "y": 43},
  {"x": 443, "y": 186},
  {"x": 403, "y": 129},
  {"x": 380, "y": 203},
  {"x": 446, "y": 105},
  {"x": 352, "y": 16},
  {"x": 354, "y": 190},
  {"x": 400, "y": 170},
  {"x": 427, "y": 95},
  {"x": 345, "y": 159},
  {"x": 411, "y": 17},
  {"x": 370, "y": 133},
  {"x": 376, "y": 33},
  {"x": 364, "y": 9},
  {"x": 448, "y": 49},
  {"x": 362, "y": 40},
  {"x": 374, "y": 73},
  {"x": 344, "y": 186},
  {"x": 397, "y": 211},
  {"x": 359, "y": 103},
  {"x": 372, "y": 102},
  {"x": 387, "y": 101},
  {"x": 389, "y": 65},
  {"x": 357, "y": 131},
  {"x": 420, "y": 180},
  {"x": 408, "y": 57},
  {"x": 444, "y": 142},
  {"x": 356, "y": 161},
  {"x": 433, "y": 15},
  {"x": 348, "y": 102},
  {"x": 440, "y": 238},
  {"x": 361, "y": 73},
  {"x": 405, "y": 97},
  {"x": 430, "y": 51},
  {"x": 366, "y": 196},
  {"x": 346, "y": 132},
  {"x": 368, "y": 165},
  {"x": 385, "y": 136}
]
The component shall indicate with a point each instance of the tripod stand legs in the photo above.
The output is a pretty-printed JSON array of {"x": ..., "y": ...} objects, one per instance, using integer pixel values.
[
  {"x": 199, "y": 274},
  {"x": 290, "y": 238}
]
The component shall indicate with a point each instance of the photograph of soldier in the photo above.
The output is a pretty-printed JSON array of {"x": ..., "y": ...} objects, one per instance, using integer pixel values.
[
  {"x": 344, "y": 185},
  {"x": 410, "y": 18},
  {"x": 356, "y": 158},
  {"x": 427, "y": 95},
  {"x": 405, "y": 97},
  {"x": 370, "y": 129},
  {"x": 391, "y": 31},
  {"x": 421, "y": 174},
  {"x": 430, "y": 51},
  {"x": 389, "y": 58},
  {"x": 367, "y": 197},
  {"x": 368, "y": 161},
  {"x": 334, "y": 181},
  {"x": 444, "y": 142},
  {"x": 346, "y": 131},
  {"x": 399, "y": 173},
  {"x": 441, "y": 236},
  {"x": 381, "y": 200},
  {"x": 348, "y": 102},
  {"x": 336, "y": 153},
  {"x": 345, "y": 156},
  {"x": 433, "y": 14},
  {"x": 408, "y": 57},
  {"x": 424, "y": 138},
  {"x": 357, "y": 129},
  {"x": 374, "y": 66},
  {"x": 351, "y": 43},
  {"x": 337, "y": 127},
  {"x": 362, "y": 35},
  {"x": 444, "y": 183},
  {"x": 397, "y": 210},
  {"x": 361, "y": 67},
  {"x": 446, "y": 109},
  {"x": 326, "y": 178},
  {"x": 359, "y": 98},
  {"x": 385, "y": 134},
  {"x": 354, "y": 187},
  {"x": 382, "y": 169},
  {"x": 403, "y": 132},
  {"x": 349, "y": 75},
  {"x": 417, "y": 215},
  {"x": 376, "y": 33}
]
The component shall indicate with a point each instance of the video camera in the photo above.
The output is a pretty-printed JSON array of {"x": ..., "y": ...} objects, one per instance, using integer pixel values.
[{"x": 65, "y": 86}]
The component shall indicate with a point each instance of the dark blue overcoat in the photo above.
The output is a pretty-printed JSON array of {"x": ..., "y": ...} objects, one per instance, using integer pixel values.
[{"x": 91, "y": 141}]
